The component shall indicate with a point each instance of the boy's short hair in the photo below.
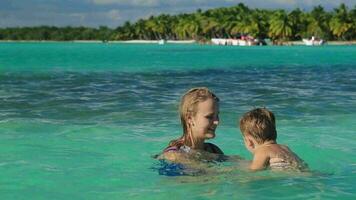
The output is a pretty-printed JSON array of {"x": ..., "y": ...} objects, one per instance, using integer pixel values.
[{"x": 260, "y": 124}]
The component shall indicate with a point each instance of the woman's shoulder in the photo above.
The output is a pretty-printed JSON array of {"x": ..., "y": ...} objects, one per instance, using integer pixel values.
[{"x": 212, "y": 148}]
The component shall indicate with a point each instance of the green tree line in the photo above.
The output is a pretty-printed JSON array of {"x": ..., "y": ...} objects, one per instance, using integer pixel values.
[{"x": 228, "y": 22}]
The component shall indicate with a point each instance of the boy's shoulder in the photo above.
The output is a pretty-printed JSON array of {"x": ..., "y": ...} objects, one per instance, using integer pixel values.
[{"x": 272, "y": 150}]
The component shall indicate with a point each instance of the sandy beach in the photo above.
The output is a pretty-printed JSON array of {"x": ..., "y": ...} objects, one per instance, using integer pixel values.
[
  {"x": 111, "y": 41},
  {"x": 154, "y": 41}
]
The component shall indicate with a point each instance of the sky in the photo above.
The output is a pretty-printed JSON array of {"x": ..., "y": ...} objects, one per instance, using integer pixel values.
[{"x": 113, "y": 13}]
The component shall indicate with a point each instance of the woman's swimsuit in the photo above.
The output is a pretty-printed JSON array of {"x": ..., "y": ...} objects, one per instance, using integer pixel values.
[
  {"x": 208, "y": 147},
  {"x": 183, "y": 149},
  {"x": 177, "y": 169}
]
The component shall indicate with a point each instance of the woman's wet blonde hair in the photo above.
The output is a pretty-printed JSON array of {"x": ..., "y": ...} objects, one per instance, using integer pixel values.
[{"x": 188, "y": 108}]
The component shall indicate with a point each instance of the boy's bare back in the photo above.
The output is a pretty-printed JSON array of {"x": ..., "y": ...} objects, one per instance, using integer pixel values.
[{"x": 287, "y": 159}]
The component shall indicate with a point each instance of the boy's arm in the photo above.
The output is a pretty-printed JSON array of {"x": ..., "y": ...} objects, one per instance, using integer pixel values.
[{"x": 260, "y": 161}]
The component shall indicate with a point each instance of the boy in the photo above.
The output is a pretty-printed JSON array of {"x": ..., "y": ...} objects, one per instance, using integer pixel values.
[{"x": 259, "y": 132}]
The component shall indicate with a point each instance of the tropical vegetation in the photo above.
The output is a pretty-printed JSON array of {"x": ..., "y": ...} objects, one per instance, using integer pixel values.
[{"x": 228, "y": 22}]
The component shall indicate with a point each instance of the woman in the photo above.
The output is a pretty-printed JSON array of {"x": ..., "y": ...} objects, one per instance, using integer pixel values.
[{"x": 199, "y": 113}]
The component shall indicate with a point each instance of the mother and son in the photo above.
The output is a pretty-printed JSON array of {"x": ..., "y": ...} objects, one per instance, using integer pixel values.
[{"x": 199, "y": 113}]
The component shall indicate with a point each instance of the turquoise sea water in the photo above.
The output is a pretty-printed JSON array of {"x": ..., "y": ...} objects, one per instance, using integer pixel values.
[{"x": 82, "y": 121}]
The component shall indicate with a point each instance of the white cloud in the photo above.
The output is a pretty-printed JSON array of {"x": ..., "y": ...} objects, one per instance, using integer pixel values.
[
  {"x": 191, "y": 5},
  {"x": 114, "y": 15},
  {"x": 128, "y": 2},
  {"x": 80, "y": 16}
]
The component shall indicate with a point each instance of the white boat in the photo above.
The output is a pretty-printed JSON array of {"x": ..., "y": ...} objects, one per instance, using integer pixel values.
[
  {"x": 313, "y": 42},
  {"x": 161, "y": 42}
]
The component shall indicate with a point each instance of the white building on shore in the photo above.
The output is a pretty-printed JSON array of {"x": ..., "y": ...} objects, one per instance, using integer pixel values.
[{"x": 243, "y": 41}]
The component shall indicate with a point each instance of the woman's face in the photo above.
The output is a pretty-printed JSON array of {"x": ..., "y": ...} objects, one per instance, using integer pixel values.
[{"x": 205, "y": 120}]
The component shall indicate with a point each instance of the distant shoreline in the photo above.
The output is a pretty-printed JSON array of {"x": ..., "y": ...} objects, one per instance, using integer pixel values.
[
  {"x": 286, "y": 43},
  {"x": 113, "y": 41},
  {"x": 352, "y": 42}
]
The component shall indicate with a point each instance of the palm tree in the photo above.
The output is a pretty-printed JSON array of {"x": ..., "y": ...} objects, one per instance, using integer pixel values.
[
  {"x": 353, "y": 17},
  {"x": 314, "y": 28},
  {"x": 124, "y": 32},
  {"x": 154, "y": 28},
  {"x": 253, "y": 24},
  {"x": 260, "y": 18},
  {"x": 237, "y": 20},
  {"x": 318, "y": 23},
  {"x": 230, "y": 23},
  {"x": 299, "y": 22},
  {"x": 188, "y": 27},
  {"x": 280, "y": 26},
  {"x": 213, "y": 23},
  {"x": 141, "y": 30},
  {"x": 209, "y": 27},
  {"x": 340, "y": 23}
]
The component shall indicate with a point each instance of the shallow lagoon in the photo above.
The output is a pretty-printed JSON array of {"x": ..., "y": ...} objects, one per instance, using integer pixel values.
[{"x": 81, "y": 121}]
